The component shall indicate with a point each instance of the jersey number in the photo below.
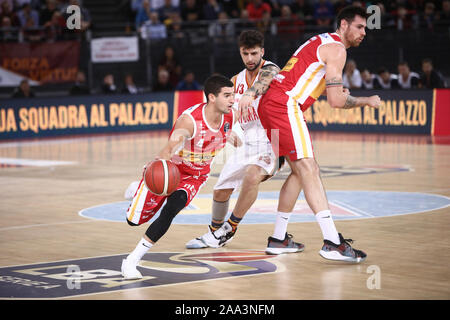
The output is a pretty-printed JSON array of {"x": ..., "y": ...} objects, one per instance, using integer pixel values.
[{"x": 240, "y": 89}]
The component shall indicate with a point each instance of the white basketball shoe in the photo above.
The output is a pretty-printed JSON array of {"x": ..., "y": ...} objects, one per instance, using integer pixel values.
[
  {"x": 212, "y": 239},
  {"x": 129, "y": 270}
]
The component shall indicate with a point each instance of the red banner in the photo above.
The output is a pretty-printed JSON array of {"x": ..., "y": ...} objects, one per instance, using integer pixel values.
[
  {"x": 441, "y": 114},
  {"x": 42, "y": 62}
]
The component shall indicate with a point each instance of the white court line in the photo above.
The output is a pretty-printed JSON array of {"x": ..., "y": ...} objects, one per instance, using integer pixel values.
[
  {"x": 34, "y": 163},
  {"x": 356, "y": 210},
  {"x": 44, "y": 225}
]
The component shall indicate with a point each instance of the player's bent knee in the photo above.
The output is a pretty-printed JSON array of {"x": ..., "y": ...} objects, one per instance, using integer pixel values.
[
  {"x": 308, "y": 165},
  {"x": 222, "y": 195},
  {"x": 176, "y": 201}
]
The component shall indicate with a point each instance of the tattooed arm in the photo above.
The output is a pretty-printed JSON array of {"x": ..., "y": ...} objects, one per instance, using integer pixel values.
[
  {"x": 334, "y": 56},
  {"x": 260, "y": 87}
]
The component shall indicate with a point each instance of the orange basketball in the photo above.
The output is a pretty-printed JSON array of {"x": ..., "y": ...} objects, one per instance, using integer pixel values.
[{"x": 162, "y": 177}]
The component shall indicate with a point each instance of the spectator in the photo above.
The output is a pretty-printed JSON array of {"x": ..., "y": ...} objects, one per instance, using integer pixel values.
[
  {"x": 289, "y": 22},
  {"x": 406, "y": 78},
  {"x": 231, "y": 8},
  {"x": 445, "y": 12},
  {"x": 302, "y": 10},
  {"x": 153, "y": 28},
  {"x": 6, "y": 33},
  {"x": 244, "y": 22},
  {"x": 143, "y": 14},
  {"x": 167, "y": 12},
  {"x": 323, "y": 13},
  {"x": 175, "y": 27},
  {"x": 211, "y": 10},
  {"x": 385, "y": 80},
  {"x": 108, "y": 85},
  {"x": 54, "y": 28},
  {"x": 352, "y": 77},
  {"x": 23, "y": 91},
  {"x": 33, "y": 3},
  {"x": 222, "y": 27},
  {"x": 80, "y": 87},
  {"x": 47, "y": 11},
  {"x": 430, "y": 78},
  {"x": 428, "y": 17},
  {"x": 163, "y": 83},
  {"x": 188, "y": 83},
  {"x": 386, "y": 18},
  {"x": 32, "y": 33},
  {"x": 130, "y": 86},
  {"x": 26, "y": 15},
  {"x": 191, "y": 11},
  {"x": 444, "y": 16},
  {"x": 339, "y": 5},
  {"x": 257, "y": 8},
  {"x": 10, "y": 3},
  {"x": 170, "y": 63},
  {"x": 265, "y": 23},
  {"x": 6, "y": 10},
  {"x": 403, "y": 19},
  {"x": 135, "y": 5},
  {"x": 276, "y": 5},
  {"x": 368, "y": 79}
]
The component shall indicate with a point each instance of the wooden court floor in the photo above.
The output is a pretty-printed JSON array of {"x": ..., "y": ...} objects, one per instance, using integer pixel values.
[{"x": 409, "y": 253}]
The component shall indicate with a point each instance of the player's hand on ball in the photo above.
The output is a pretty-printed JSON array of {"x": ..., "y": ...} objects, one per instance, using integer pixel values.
[
  {"x": 346, "y": 91},
  {"x": 374, "y": 101}
]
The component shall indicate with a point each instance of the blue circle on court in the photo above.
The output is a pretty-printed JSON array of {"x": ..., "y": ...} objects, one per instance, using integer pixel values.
[{"x": 344, "y": 205}]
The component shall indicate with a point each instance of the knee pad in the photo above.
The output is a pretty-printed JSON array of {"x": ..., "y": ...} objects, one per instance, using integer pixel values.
[{"x": 176, "y": 201}]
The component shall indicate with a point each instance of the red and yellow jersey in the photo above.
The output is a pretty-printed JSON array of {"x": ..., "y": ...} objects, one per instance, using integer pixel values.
[
  {"x": 254, "y": 131},
  {"x": 197, "y": 153},
  {"x": 303, "y": 76}
]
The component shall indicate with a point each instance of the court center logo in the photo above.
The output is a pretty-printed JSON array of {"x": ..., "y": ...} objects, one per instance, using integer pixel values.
[{"x": 102, "y": 274}]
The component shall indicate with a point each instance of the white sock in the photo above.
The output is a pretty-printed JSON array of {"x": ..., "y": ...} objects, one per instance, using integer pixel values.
[
  {"x": 139, "y": 251},
  {"x": 281, "y": 225},
  {"x": 327, "y": 226}
]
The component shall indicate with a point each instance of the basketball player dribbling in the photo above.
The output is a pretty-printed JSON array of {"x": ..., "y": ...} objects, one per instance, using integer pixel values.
[
  {"x": 314, "y": 69},
  {"x": 250, "y": 164},
  {"x": 197, "y": 136}
]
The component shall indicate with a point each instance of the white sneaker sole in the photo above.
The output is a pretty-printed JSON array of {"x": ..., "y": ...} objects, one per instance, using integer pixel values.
[
  {"x": 336, "y": 256},
  {"x": 283, "y": 250},
  {"x": 130, "y": 275},
  {"x": 196, "y": 244}
]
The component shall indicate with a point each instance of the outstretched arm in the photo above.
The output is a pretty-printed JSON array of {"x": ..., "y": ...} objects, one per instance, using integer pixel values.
[
  {"x": 259, "y": 87},
  {"x": 334, "y": 56}
]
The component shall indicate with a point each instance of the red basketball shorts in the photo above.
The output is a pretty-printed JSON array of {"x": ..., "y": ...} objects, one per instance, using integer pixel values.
[
  {"x": 286, "y": 128},
  {"x": 146, "y": 204}
]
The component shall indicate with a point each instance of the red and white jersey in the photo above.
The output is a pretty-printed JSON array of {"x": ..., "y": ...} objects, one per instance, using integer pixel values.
[
  {"x": 197, "y": 153},
  {"x": 303, "y": 77},
  {"x": 251, "y": 126}
]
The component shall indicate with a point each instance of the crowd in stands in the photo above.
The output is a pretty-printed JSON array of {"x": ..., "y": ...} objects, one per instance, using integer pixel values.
[
  {"x": 39, "y": 20},
  {"x": 45, "y": 20},
  {"x": 403, "y": 78},
  {"x": 283, "y": 16}
]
